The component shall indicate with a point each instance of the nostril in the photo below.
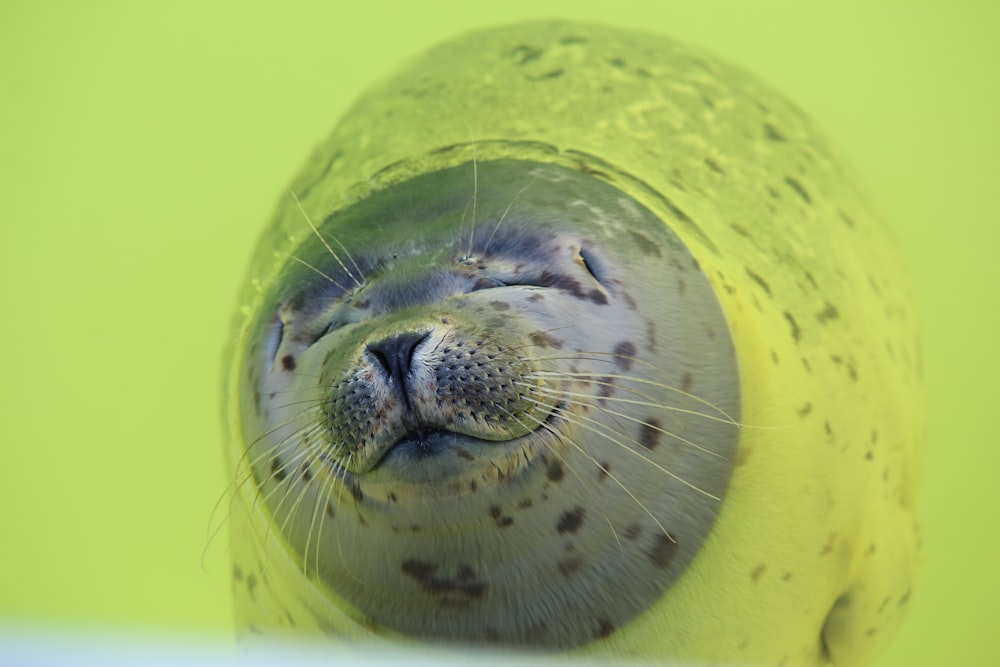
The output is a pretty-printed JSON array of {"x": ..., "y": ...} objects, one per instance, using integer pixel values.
[{"x": 394, "y": 355}]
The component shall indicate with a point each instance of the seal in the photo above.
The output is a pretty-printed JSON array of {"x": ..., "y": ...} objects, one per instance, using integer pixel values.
[{"x": 635, "y": 374}]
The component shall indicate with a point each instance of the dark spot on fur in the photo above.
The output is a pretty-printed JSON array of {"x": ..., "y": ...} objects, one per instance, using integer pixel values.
[
  {"x": 563, "y": 282},
  {"x": 526, "y": 54},
  {"x": 525, "y": 504},
  {"x": 713, "y": 165},
  {"x": 464, "y": 454},
  {"x": 598, "y": 297},
  {"x": 828, "y": 313},
  {"x": 758, "y": 572},
  {"x": 237, "y": 573},
  {"x": 904, "y": 599},
  {"x": 603, "y": 470},
  {"x": 799, "y": 189},
  {"x": 772, "y": 133},
  {"x": 329, "y": 510},
  {"x": 606, "y": 387},
  {"x": 650, "y": 433},
  {"x": 495, "y": 512},
  {"x": 677, "y": 212},
  {"x": 645, "y": 244},
  {"x": 796, "y": 332},
  {"x": 571, "y": 521},
  {"x": 604, "y": 628},
  {"x": 805, "y": 410},
  {"x": 740, "y": 229},
  {"x": 251, "y": 584},
  {"x": 500, "y": 305},
  {"x": 551, "y": 74},
  {"x": 760, "y": 281},
  {"x": 846, "y": 218},
  {"x": 663, "y": 551},
  {"x": 618, "y": 63},
  {"x": 278, "y": 470},
  {"x": 288, "y": 362},
  {"x": 505, "y": 522},
  {"x": 568, "y": 567},
  {"x": 356, "y": 492},
  {"x": 869, "y": 455},
  {"x": 465, "y": 582},
  {"x": 624, "y": 355},
  {"x": 545, "y": 339},
  {"x": 632, "y": 532},
  {"x": 554, "y": 472},
  {"x": 686, "y": 381}
]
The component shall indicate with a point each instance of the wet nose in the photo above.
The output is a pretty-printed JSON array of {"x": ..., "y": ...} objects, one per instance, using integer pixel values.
[{"x": 393, "y": 356}]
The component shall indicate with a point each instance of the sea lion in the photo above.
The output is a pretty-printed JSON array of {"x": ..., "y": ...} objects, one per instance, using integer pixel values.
[{"x": 633, "y": 371}]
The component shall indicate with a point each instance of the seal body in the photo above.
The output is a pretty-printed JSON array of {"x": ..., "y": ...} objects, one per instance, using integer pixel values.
[{"x": 631, "y": 371}]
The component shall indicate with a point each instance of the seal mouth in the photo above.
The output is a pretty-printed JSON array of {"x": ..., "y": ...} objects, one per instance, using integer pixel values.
[
  {"x": 422, "y": 443},
  {"x": 426, "y": 455}
]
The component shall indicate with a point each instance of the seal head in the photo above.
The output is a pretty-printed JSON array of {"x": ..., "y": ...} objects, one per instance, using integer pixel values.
[{"x": 493, "y": 403}]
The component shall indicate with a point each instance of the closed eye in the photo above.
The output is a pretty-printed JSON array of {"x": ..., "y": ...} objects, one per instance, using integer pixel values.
[
  {"x": 272, "y": 342},
  {"x": 593, "y": 265}
]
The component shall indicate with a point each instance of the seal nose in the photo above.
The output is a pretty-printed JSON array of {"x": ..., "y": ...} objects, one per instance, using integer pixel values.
[{"x": 394, "y": 356}]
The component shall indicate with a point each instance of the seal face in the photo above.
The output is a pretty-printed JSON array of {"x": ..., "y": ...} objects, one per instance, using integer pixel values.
[{"x": 503, "y": 412}]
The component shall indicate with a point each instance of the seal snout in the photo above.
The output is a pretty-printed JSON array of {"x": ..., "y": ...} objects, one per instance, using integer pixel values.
[{"x": 431, "y": 384}]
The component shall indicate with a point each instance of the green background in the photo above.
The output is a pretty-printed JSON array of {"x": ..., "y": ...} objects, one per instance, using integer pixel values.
[{"x": 143, "y": 146}]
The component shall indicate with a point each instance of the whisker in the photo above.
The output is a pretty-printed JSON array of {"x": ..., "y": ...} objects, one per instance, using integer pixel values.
[
  {"x": 313, "y": 268},
  {"x": 561, "y": 437},
  {"x": 636, "y": 420},
  {"x": 600, "y": 377},
  {"x": 639, "y": 454},
  {"x": 486, "y": 247},
  {"x": 325, "y": 244},
  {"x": 630, "y": 401}
]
